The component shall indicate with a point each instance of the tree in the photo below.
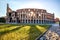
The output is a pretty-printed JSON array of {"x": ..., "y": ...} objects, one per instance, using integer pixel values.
[
  {"x": 2, "y": 20},
  {"x": 59, "y": 23}
]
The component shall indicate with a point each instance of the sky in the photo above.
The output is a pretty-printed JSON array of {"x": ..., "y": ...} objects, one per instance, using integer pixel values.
[{"x": 52, "y": 6}]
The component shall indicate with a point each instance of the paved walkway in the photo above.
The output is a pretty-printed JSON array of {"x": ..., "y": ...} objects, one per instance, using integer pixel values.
[{"x": 52, "y": 34}]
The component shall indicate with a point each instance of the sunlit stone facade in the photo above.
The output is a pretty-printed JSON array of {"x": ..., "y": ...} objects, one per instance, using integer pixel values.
[{"x": 29, "y": 15}]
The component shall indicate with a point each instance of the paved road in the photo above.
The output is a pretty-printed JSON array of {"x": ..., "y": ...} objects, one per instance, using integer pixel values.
[{"x": 52, "y": 34}]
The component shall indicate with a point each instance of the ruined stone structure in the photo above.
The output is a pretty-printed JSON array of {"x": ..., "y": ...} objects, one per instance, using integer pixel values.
[{"x": 29, "y": 15}]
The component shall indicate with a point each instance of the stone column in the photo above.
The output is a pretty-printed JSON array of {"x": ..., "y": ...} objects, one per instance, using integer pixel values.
[{"x": 27, "y": 20}]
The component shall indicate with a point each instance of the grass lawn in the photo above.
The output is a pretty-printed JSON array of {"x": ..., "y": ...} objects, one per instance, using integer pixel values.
[{"x": 21, "y": 31}]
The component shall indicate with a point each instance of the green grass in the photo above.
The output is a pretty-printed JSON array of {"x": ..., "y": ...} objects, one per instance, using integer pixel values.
[{"x": 21, "y": 31}]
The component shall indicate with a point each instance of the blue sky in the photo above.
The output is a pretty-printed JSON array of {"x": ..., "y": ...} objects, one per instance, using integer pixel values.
[{"x": 52, "y": 6}]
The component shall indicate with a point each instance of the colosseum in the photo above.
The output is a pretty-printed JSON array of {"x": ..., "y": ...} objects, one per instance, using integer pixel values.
[{"x": 29, "y": 15}]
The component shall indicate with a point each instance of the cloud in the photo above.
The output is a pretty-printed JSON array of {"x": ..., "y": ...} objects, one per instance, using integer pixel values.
[{"x": 32, "y": 5}]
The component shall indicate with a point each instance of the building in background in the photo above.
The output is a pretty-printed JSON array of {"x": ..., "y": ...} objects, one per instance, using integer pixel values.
[
  {"x": 56, "y": 20},
  {"x": 29, "y": 15}
]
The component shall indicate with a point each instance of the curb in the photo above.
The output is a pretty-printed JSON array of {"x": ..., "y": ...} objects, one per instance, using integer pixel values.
[{"x": 38, "y": 38}]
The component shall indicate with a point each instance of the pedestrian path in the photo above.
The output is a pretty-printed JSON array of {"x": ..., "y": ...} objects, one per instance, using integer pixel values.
[{"x": 52, "y": 34}]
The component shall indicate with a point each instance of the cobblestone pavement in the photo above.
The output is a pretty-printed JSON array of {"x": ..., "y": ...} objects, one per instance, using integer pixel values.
[{"x": 52, "y": 34}]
